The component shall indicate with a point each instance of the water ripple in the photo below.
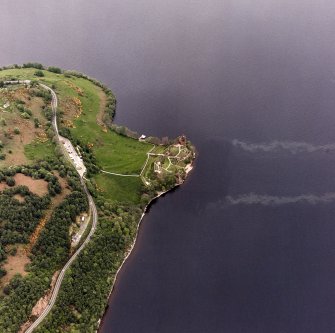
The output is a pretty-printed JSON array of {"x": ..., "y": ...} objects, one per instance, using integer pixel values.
[
  {"x": 274, "y": 146},
  {"x": 270, "y": 200}
]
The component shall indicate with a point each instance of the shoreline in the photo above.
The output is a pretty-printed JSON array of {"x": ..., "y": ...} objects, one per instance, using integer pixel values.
[
  {"x": 182, "y": 172},
  {"x": 188, "y": 169}
]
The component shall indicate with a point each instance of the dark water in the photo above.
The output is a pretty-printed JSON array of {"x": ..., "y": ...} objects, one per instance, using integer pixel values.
[{"x": 248, "y": 243}]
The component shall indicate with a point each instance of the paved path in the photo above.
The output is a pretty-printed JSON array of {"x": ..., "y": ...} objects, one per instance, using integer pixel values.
[
  {"x": 93, "y": 209},
  {"x": 119, "y": 174},
  {"x": 146, "y": 162},
  {"x": 134, "y": 175}
]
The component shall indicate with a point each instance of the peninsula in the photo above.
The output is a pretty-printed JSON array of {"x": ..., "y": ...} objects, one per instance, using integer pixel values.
[{"x": 74, "y": 187}]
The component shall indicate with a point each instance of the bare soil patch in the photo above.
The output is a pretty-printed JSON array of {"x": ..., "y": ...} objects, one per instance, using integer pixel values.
[
  {"x": 3, "y": 186},
  {"x": 15, "y": 264},
  {"x": 16, "y": 143},
  {"x": 19, "y": 198},
  {"x": 13, "y": 118},
  {"x": 37, "y": 186}
]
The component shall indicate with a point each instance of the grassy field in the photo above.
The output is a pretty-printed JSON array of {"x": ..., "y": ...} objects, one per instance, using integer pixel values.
[
  {"x": 125, "y": 155},
  {"x": 121, "y": 189},
  {"x": 113, "y": 152},
  {"x": 36, "y": 151}
]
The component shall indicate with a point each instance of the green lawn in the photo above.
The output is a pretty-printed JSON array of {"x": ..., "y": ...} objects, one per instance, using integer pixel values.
[
  {"x": 116, "y": 188},
  {"x": 122, "y": 155},
  {"x": 114, "y": 152},
  {"x": 20, "y": 73},
  {"x": 36, "y": 151}
]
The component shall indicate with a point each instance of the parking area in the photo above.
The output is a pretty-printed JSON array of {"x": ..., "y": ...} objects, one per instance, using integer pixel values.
[{"x": 74, "y": 156}]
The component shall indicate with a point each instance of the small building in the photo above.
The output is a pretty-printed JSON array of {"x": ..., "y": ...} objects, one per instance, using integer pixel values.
[
  {"x": 182, "y": 140},
  {"x": 142, "y": 137}
]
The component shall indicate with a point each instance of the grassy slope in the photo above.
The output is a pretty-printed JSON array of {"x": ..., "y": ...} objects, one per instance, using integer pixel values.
[
  {"x": 119, "y": 188},
  {"x": 33, "y": 151},
  {"x": 36, "y": 151},
  {"x": 114, "y": 153}
]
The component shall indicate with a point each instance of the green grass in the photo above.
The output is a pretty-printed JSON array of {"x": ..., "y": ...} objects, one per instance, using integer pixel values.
[
  {"x": 121, "y": 189},
  {"x": 158, "y": 150},
  {"x": 20, "y": 73},
  {"x": 122, "y": 155},
  {"x": 149, "y": 167},
  {"x": 36, "y": 151},
  {"x": 113, "y": 152}
]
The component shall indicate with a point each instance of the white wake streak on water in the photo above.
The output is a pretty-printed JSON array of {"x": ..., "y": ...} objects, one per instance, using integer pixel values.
[
  {"x": 291, "y": 146},
  {"x": 270, "y": 200}
]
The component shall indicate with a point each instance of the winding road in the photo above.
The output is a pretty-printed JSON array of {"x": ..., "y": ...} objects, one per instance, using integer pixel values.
[{"x": 93, "y": 209}]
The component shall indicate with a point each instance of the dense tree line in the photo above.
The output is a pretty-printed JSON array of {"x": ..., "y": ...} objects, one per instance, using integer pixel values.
[
  {"x": 30, "y": 65},
  {"x": 82, "y": 299},
  {"x": 51, "y": 250},
  {"x": 21, "y": 295},
  {"x": 53, "y": 245},
  {"x": 36, "y": 65},
  {"x": 18, "y": 220},
  {"x": 49, "y": 254}
]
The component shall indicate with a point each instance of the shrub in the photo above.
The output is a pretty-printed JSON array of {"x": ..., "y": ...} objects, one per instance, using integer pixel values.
[
  {"x": 36, "y": 123},
  {"x": 32, "y": 65},
  {"x": 39, "y": 73},
  {"x": 56, "y": 70},
  {"x": 10, "y": 181},
  {"x": 25, "y": 115}
]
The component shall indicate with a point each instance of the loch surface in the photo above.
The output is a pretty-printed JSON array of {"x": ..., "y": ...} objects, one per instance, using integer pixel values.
[{"x": 247, "y": 244}]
